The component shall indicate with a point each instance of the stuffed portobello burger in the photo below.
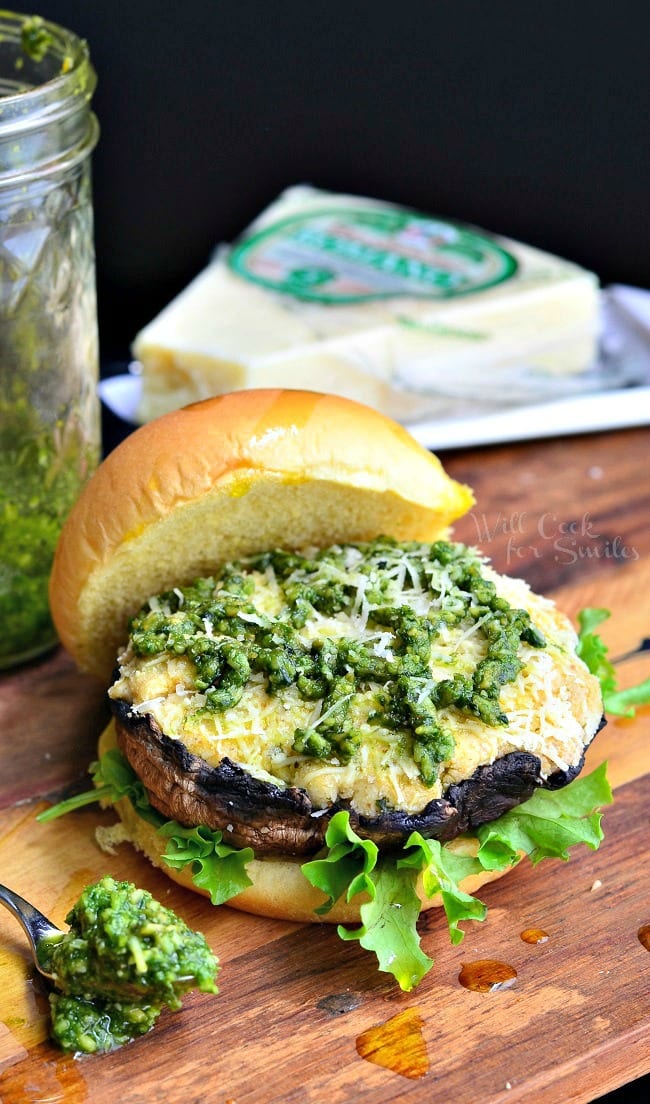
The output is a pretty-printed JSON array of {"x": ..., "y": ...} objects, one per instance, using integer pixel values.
[{"x": 323, "y": 707}]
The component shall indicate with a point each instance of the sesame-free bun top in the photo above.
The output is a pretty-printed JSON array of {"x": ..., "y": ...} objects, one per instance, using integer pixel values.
[{"x": 229, "y": 477}]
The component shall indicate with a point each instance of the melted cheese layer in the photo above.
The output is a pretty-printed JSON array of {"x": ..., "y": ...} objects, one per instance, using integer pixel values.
[{"x": 552, "y": 706}]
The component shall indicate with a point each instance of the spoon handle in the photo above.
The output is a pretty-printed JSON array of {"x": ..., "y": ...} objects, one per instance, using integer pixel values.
[{"x": 35, "y": 925}]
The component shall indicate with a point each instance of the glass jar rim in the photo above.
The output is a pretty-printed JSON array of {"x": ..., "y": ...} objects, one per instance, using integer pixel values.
[
  {"x": 59, "y": 103},
  {"x": 76, "y": 75}
]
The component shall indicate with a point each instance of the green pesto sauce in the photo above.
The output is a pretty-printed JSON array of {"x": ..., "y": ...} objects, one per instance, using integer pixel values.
[
  {"x": 35, "y": 38},
  {"x": 216, "y": 624},
  {"x": 42, "y": 469},
  {"x": 124, "y": 959}
]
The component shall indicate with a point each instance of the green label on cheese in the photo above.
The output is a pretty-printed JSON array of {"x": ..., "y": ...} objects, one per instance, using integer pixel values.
[{"x": 350, "y": 254}]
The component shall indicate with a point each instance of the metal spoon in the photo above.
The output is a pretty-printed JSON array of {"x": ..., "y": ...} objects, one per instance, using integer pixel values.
[{"x": 35, "y": 925}]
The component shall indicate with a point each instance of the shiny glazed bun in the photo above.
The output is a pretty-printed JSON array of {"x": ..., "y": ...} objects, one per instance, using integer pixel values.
[
  {"x": 279, "y": 889},
  {"x": 230, "y": 477}
]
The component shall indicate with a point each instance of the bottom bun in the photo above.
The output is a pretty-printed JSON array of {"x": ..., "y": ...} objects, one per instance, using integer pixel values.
[{"x": 280, "y": 889}]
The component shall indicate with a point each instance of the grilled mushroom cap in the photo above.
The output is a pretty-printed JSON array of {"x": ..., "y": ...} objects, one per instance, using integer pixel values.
[{"x": 276, "y": 820}]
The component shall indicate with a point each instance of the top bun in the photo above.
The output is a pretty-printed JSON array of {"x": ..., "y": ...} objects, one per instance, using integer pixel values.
[{"x": 229, "y": 477}]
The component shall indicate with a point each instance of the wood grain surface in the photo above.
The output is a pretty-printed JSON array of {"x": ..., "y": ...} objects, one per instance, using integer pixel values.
[{"x": 303, "y": 1018}]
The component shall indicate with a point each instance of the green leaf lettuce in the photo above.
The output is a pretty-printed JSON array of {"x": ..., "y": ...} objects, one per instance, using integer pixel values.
[
  {"x": 547, "y": 825},
  {"x": 593, "y": 651},
  {"x": 216, "y": 867}
]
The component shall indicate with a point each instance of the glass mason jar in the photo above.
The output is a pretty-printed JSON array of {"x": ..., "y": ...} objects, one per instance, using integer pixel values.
[{"x": 49, "y": 410}]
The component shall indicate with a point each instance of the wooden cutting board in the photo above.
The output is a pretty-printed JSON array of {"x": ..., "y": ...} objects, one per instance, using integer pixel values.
[{"x": 303, "y": 1018}]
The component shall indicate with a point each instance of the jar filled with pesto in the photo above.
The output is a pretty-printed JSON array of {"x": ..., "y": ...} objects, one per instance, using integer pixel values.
[{"x": 49, "y": 414}]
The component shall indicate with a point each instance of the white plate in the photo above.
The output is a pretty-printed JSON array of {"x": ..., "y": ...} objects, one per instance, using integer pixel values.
[
  {"x": 121, "y": 394},
  {"x": 613, "y": 395}
]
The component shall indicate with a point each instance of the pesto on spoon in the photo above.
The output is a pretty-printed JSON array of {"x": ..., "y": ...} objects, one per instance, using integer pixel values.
[{"x": 124, "y": 959}]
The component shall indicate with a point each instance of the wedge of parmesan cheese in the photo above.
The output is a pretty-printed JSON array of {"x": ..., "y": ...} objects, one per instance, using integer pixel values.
[{"x": 371, "y": 301}]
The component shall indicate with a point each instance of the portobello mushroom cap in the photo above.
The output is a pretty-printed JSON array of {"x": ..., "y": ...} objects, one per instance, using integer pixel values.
[{"x": 277, "y": 820}]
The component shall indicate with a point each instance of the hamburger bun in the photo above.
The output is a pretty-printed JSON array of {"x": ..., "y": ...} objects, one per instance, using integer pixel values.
[{"x": 226, "y": 478}]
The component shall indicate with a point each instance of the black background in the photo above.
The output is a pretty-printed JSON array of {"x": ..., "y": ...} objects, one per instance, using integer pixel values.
[{"x": 531, "y": 120}]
